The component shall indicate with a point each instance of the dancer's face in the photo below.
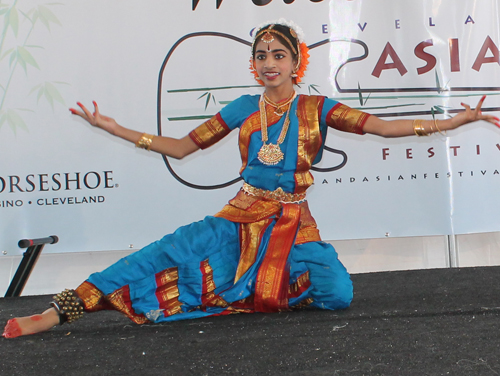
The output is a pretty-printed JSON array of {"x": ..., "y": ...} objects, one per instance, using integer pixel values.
[{"x": 274, "y": 63}]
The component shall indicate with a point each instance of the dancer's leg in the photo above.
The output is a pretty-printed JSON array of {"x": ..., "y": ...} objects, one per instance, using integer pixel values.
[
  {"x": 67, "y": 306},
  {"x": 194, "y": 243},
  {"x": 21, "y": 326}
]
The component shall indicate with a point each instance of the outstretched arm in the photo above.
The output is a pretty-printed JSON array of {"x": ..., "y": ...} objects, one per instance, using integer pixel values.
[
  {"x": 173, "y": 147},
  {"x": 401, "y": 128}
]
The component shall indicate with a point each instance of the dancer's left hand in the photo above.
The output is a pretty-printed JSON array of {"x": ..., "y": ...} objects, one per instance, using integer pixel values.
[{"x": 471, "y": 115}]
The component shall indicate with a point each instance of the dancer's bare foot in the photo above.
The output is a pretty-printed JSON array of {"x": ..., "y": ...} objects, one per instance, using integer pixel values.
[{"x": 22, "y": 326}]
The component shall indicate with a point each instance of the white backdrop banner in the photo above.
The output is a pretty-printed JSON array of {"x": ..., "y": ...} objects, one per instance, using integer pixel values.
[{"x": 163, "y": 67}]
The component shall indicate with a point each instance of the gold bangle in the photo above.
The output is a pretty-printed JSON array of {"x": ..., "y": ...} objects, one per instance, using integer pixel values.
[
  {"x": 418, "y": 128},
  {"x": 145, "y": 141},
  {"x": 439, "y": 130},
  {"x": 432, "y": 128}
]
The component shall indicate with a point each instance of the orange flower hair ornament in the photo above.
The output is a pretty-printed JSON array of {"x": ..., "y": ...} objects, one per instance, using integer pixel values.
[{"x": 300, "y": 48}]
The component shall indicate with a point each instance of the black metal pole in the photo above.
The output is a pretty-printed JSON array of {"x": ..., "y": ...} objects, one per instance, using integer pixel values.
[{"x": 28, "y": 262}]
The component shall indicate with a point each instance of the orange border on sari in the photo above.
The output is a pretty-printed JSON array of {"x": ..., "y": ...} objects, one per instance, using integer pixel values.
[
  {"x": 346, "y": 119},
  {"x": 250, "y": 239},
  {"x": 272, "y": 284},
  {"x": 120, "y": 299},
  {"x": 309, "y": 141},
  {"x": 93, "y": 299},
  {"x": 209, "y": 132}
]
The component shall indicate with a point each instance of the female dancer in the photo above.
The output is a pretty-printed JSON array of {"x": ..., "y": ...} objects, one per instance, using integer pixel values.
[{"x": 262, "y": 252}]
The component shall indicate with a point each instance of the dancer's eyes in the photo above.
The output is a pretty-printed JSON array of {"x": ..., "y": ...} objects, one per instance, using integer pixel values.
[{"x": 277, "y": 56}]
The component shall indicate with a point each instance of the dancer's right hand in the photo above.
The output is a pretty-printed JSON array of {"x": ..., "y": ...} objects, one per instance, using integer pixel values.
[{"x": 96, "y": 119}]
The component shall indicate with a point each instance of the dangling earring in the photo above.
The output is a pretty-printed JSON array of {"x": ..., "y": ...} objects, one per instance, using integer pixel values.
[
  {"x": 294, "y": 75},
  {"x": 253, "y": 70}
]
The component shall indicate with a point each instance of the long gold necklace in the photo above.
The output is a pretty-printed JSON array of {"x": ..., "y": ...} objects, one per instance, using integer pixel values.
[{"x": 270, "y": 154}]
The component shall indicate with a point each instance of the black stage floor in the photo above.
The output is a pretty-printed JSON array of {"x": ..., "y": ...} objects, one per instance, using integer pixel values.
[{"x": 426, "y": 322}]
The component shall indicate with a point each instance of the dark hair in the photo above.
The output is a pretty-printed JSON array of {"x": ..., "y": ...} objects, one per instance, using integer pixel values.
[{"x": 280, "y": 29}]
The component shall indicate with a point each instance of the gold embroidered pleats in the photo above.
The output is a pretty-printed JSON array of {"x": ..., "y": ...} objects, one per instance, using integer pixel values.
[
  {"x": 299, "y": 286},
  {"x": 94, "y": 300},
  {"x": 208, "y": 297},
  {"x": 294, "y": 225},
  {"x": 251, "y": 236},
  {"x": 167, "y": 291},
  {"x": 120, "y": 300},
  {"x": 272, "y": 284}
]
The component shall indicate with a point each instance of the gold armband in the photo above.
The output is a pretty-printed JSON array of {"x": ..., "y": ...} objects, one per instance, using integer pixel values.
[
  {"x": 418, "y": 128},
  {"x": 145, "y": 141}
]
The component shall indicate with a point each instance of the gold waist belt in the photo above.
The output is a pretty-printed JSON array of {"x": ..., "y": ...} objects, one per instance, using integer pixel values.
[{"x": 278, "y": 194}]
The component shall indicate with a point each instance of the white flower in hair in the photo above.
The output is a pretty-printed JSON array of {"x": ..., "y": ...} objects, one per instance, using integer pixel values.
[{"x": 292, "y": 25}]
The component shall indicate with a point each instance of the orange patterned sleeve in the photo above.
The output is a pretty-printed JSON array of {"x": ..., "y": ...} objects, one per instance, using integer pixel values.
[
  {"x": 210, "y": 132},
  {"x": 346, "y": 119}
]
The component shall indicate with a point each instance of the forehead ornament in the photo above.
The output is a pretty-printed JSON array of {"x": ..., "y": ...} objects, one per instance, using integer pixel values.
[{"x": 268, "y": 37}]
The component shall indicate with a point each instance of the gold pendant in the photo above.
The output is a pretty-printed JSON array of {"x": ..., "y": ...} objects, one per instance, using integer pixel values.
[
  {"x": 270, "y": 154},
  {"x": 279, "y": 111}
]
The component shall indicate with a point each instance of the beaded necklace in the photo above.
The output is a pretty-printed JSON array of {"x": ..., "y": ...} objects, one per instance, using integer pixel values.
[{"x": 270, "y": 154}]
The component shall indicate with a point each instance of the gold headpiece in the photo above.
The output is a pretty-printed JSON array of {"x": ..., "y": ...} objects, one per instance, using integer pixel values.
[{"x": 267, "y": 37}]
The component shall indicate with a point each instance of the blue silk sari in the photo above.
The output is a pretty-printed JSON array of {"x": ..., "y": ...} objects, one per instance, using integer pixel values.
[{"x": 261, "y": 252}]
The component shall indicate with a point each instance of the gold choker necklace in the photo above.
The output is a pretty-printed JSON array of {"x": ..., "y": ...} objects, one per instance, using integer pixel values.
[
  {"x": 270, "y": 154},
  {"x": 280, "y": 108}
]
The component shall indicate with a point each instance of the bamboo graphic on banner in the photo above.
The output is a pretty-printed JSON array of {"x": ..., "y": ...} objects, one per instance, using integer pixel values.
[{"x": 20, "y": 55}]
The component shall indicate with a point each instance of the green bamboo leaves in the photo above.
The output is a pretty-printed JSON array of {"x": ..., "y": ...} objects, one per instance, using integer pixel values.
[
  {"x": 44, "y": 14},
  {"x": 48, "y": 91},
  {"x": 23, "y": 57},
  {"x": 362, "y": 101},
  {"x": 18, "y": 27},
  {"x": 209, "y": 96},
  {"x": 439, "y": 110},
  {"x": 11, "y": 18},
  {"x": 313, "y": 87},
  {"x": 13, "y": 119},
  {"x": 440, "y": 88}
]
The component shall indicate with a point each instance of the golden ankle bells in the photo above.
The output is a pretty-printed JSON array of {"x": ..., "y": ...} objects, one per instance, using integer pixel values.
[{"x": 68, "y": 305}]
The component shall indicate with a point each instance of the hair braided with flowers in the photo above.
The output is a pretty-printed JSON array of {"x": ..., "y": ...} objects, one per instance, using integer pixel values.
[{"x": 289, "y": 34}]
